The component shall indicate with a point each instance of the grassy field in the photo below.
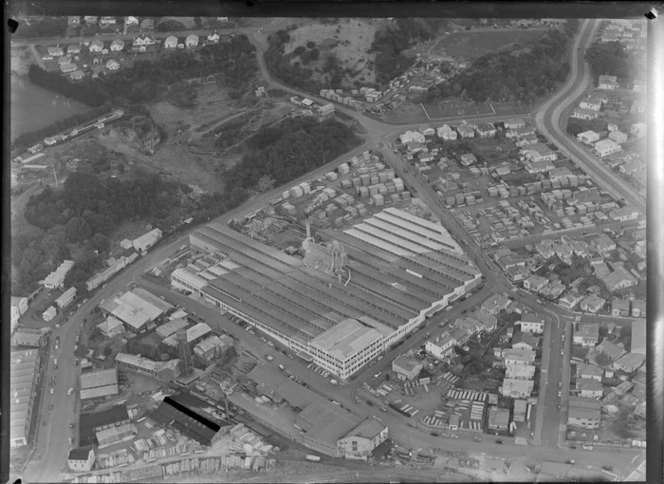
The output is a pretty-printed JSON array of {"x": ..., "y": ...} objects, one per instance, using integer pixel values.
[
  {"x": 471, "y": 45},
  {"x": 349, "y": 40},
  {"x": 448, "y": 109}
]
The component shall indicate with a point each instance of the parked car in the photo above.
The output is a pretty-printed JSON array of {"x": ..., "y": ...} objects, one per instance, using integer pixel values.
[{"x": 499, "y": 441}]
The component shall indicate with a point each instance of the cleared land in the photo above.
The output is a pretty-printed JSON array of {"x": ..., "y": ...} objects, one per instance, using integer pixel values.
[{"x": 471, "y": 45}]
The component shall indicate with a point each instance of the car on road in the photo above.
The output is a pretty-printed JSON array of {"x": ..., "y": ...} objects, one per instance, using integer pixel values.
[
  {"x": 499, "y": 441},
  {"x": 571, "y": 461},
  {"x": 269, "y": 358},
  {"x": 560, "y": 394},
  {"x": 336, "y": 403},
  {"x": 477, "y": 439},
  {"x": 270, "y": 343},
  {"x": 291, "y": 356},
  {"x": 50, "y": 407},
  {"x": 377, "y": 375},
  {"x": 55, "y": 364},
  {"x": 334, "y": 382},
  {"x": 282, "y": 367},
  {"x": 587, "y": 447},
  {"x": 383, "y": 409},
  {"x": 70, "y": 391},
  {"x": 52, "y": 390}
]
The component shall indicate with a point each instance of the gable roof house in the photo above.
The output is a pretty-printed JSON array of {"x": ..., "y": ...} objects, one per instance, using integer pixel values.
[
  {"x": 586, "y": 334},
  {"x": 535, "y": 282},
  {"x": 96, "y": 46},
  {"x": 465, "y": 131},
  {"x": 570, "y": 300},
  {"x": 486, "y": 130},
  {"x": 213, "y": 37},
  {"x": 117, "y": 45},
  {"x": 191, "y": 40},
  {"x": 514, "y": 123},
  {"x": 619, "y": 307},
  {"x": 629, "y": 362},
  {"x": 591, "y": 103},
  {"x": 639, "y": 308},
  {"x": 589, "y": 388},
  {"x": 525, "y": 341},
  {"x": 171, "y": 42},
  {"x": 587, "y": 114},
  {"x": 611, "y": 350},
  {"x": 592, "y": 304},
  {"x": 587, "y": 372},
  {"x": 607, "y": 82}
]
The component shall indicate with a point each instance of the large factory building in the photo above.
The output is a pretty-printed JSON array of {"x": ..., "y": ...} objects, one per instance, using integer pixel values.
[{"x": 351, "y": 296}]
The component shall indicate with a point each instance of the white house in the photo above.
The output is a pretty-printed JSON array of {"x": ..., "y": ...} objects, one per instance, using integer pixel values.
[
  {"x": 66, "y": 298},
  {"x": 107, "y": 21},
  {"x": 81, "y": 460},
  {"x": 412, "y": 136},
  {"x": 606, "y": 147},
  {"x": 446, "y": 133},
  {"x": 96, "y": 46},
  {"x": 587, "y": 114},
  {"x": 131, "y": 20},
  {"x": 144, "y": 40},
  {"x": 607, "y": 82},
  {"x": 441, "y": 346},
  {"x": 112, "y": 65},
  {"x": 19, "y": 305},
  {"x": 618, "y": 136},
  {"x": 73, "y": 49},
  {"x": 486, "y": 130},
  {"x": 213, "y": 38},
  {"x": 588, "y": 137},
  {"x": 117, "y": 45},
  {"x": 465, "y": 131},
  {"x": 592, "y": 304},
  {"x": 406, "y": 368},
  {"x": 147, "y": 240},
  {"x": 586, "y": 335},
  {"x": 428, "y": 131},
  {"x": 49, "y": 314},
  {"x": 531, "y": 323},
  {"x": 191, "y": 40},
  {"x": 515, "y": 123},
  {"x": 591, "y": 103},
  {"x": 55, "y": 51},
  {"x": 171, "y": 42}
]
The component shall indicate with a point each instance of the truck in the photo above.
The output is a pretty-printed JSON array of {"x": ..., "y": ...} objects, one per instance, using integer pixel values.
[{"x": 313, "y": 458}]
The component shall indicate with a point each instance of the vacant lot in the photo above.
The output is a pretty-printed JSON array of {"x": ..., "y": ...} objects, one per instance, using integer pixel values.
[
  {"x": 349, "y": 41},
  {"x": 471, "y": 45},
  {"x": 449, "y": 109}
]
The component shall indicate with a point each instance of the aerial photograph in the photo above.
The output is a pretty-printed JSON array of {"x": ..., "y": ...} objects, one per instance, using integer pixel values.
[{"x": 327, "y": 250}]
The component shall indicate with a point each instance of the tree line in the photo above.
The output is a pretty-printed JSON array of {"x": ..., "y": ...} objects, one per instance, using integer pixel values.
[
  {"x": 521, "y": 74},
  {"x": 78, "y": 220},
  {"x": 289, "y": 150},
  {"x": 610, "y": 58},
  {"x": 145, "y": 80}
]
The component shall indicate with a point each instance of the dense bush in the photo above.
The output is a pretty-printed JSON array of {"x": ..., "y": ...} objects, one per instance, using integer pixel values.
[
  {"x": 45, "y": 27},
  {"x": 289, "y": 150},
  {"x": 612, "y": 59}
]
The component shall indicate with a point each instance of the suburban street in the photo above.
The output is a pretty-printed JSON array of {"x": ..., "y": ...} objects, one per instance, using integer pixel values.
[{"x": 52, "y": 448}]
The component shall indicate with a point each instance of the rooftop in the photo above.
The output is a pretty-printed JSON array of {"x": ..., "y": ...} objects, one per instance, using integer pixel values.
[
  {"x": 368, "y": 429},
  {"x": 407, "y": 364}
]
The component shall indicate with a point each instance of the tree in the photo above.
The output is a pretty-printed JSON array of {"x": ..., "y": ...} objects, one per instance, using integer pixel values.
[
  {"x": 602, "y": 359},
  {"x": 100, "y": 242},
  {"x": 266, "y": 183},
  {"x": 77, "y": 230},
  {"x": 198, "y": 22}
]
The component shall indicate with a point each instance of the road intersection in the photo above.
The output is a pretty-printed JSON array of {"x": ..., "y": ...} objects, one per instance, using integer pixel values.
[{"x": 51, "y": 442}]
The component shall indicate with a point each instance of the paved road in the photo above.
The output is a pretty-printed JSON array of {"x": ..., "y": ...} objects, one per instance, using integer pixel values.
[
  {"x": 377, "y": 132},
  {"x": 548, "y": 121}
]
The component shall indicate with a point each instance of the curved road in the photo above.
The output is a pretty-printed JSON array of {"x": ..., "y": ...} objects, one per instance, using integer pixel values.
[
  {"x": 52, "y": 437},
  {"x": 549, "y": 116}
]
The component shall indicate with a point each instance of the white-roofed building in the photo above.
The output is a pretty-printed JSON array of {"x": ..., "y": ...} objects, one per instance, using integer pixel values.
[
  {"x": 441, "y": 346},
  {"x": 520, "y": 372},
  {"x": 606, "y": 147},
  {"x": 588, "y": 137},
  {"x": 111, "y": 327},
  {"x": 33, "y": 338},
  {"x": 531, "y": 323},
  {"x": 446, "y": 133},
  {"x": 66, "y": 298},
  {"x": 145, "y": 241},
  {"x": 57, "y": 278},
  {"x": 406, "y": 368},
  {"x": 19, "y": 305},
  {"x": 363, "y": 439},
  {"x": 23, "y": 374},
  {"x": 49, "y": 314},
  {"x": 132, "y": 310},
  {"x": 589, "y": 388},
  {"x": 183, "y": 279},
  {"x": 99, "y": 384},
  {"x": 514, "y": 356},
  {"x": 349, "y": 345},
  {"x": 516, "y": 388},
  {"x": 161, "y": 370},
  {"x": 194, "y": 334},
  {"x": 412, "y": 136}
]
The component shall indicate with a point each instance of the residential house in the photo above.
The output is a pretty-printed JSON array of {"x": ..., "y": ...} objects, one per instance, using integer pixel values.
[
  {"x": 74, "y": 21},
  {"x": 96, "y": 46},
  {"x": 81, "y": 459},
  {"x": 604, "y": 244},
  {"x": 191, "y": 40},
  {"x": 112, "y": 65},
  {"x": 589, "y": 388},
  {"x": 517, "y": 273},
  {"x": 361, "y": 441},
  {"x": 539, "y": 152},
  {"x": 49, "y": 314},
  {"x": 171, "y": 42},
  {"x": 66, "y": 298},
  {"x": 510, "y": 260},
  {"x": 73, "y": 49},
  {"x": 412, "y": 136},
  {"x": 623, "y": 388},
  {"x": 586, "y": 114},
  {"x": 107, "y": 22},
  {"x": 607, "y": 82},
  {"x": 487, "y": 322},
  {"x": 131, "y": 20},
  {"x": 579, "y": 247},
  {"x": 624, "y": 214},
  {"x": 406, "y": 368},
  {"x": 619, "y": 307},
  {"x": 428, "y": 131},
  {"x": 55, "y": 51},
  {"x": 569, "y": 301},
  {"x": 638, "y": 106},
  {"x": 592, "y": 304},
  {"x": 588, "y": 137},
  {"x": 513, "y": 356},
  {"x": 495, "y": 304},
  {"x": 588, "y": 372},
  {"x": 213, "y": 38},
  {"x": 502, "y": 170},
  {"x": 462, "y": 335},
  {"x": 486, "y": 130},
  {"x": 606, "y": 147},
  {"x": 441, "y": 346},
  {"x": 545, "y": 249},
  {"x": 468, "y": 159},
  {"x": 535, "y": 283},
  {"x": 619, "y": 279},
  {"x": 117, "y": 45},
  {"x": 564, "y": 252},
  {"x": 586, "y": 334},
  {"x": 553, "y": 290},
  {"x": 591, "y": 103},
  {"x": 639, "y": 308},
  {"x": 527, "y": 140},
  {"x": 514, "y": 123},
  {"x": 91, "y": 19},
  {"x": 143, "y": 41},
  {"x": 19, "y": 305},
  {"x": 618, "y": 136},
  {"x": 531, "y": 323},
  {"x": 638, "y": 129},
  {"x": 611, "y": 350},
  {"x": 465, "y": 131},
  {"x": 517, "y": 388},
  {"x": 446, "y": 133},
  {"x": 525, "y": 341},
  {"x": 584, "y": 412},
  {"x": 630, "y": 362}
]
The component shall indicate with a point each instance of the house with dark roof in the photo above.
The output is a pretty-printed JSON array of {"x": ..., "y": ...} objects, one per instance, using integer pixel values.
[
  {"x": 611, "y": 350},
  {"x": 589, "y": 388},
  {"x": 525, "y": 341},
  {"x": 585, "y": 371}
]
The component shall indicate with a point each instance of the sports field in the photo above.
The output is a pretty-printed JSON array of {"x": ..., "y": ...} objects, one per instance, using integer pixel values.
[
  {"x": 471, "y": 45},
  {"x": 448, "y": 109}
]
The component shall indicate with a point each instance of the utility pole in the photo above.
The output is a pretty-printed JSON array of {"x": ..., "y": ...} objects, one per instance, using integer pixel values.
[{"x": 55, "y": 174}]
